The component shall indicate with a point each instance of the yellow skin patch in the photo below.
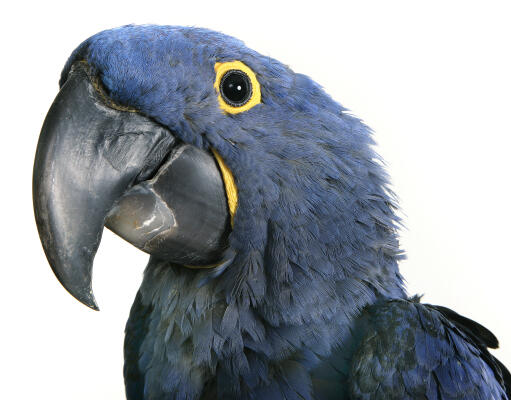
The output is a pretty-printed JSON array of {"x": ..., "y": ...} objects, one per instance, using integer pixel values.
[
  {"x": 230, "y": 186},
  {"x": 232, "y": 198},
  {"x": 221, "y": 69}
]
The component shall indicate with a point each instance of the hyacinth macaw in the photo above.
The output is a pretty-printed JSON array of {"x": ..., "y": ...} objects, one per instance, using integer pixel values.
[{"x": 271, "y": 227}]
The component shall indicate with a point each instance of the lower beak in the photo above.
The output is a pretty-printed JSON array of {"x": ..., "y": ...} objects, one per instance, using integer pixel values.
[{"x": 90, "y": 166}]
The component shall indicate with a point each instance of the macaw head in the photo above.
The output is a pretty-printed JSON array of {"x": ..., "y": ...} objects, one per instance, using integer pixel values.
[{"x": 218, "y": 161}]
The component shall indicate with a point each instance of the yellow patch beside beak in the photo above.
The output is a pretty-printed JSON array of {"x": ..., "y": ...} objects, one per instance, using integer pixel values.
[
  {"x": 230, "y": 186},
  {"x": 232, "y": 198}
]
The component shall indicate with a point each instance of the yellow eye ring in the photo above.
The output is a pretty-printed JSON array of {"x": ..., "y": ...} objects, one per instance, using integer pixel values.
[{"x": 234, "y": 75}]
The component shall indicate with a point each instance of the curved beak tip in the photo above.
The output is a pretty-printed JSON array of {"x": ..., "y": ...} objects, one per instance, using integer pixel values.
[
  {"x": 76, "y": 278},
  {"x": 89, "y": 301}
]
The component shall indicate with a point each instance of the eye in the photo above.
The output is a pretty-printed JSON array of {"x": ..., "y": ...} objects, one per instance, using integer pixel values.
[{"x": 237, "y": 87}]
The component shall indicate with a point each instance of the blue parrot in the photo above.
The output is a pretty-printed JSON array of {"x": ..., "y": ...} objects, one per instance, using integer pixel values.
[{"x": 269, "y": 219}]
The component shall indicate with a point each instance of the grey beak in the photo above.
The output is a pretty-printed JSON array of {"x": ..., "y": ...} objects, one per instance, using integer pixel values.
[
  {"x": 90, "y": 164},
  {"x": 180, "y": 215}
]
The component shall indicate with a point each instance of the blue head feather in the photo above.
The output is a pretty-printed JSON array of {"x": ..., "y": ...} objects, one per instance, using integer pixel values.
[{"x": 315, "y": 231}]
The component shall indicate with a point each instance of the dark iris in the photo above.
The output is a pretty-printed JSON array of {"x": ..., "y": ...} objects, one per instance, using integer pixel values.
[{"x": 236, "y": 88}]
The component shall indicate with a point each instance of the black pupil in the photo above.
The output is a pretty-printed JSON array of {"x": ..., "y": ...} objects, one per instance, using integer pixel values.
[{"x": 236, "y": 88}]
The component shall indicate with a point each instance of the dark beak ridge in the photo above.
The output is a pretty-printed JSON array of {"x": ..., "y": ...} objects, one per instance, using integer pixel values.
[
  {"x": 96, "y": 165},
  {"x": 87, "y": 156}
]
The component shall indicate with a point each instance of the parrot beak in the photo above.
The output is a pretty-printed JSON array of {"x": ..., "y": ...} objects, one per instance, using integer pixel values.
[{"x": 96, "y": 165}]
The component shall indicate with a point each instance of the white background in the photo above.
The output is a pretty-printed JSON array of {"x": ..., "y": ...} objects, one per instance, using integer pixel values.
[{"x": 431, "y": 78}]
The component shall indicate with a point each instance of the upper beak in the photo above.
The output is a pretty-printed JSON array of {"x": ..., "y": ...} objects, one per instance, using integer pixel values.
[{"x": 90, "y": 158}]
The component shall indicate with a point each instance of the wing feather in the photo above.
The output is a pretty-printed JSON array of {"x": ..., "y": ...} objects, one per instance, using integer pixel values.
[{"x": 419, "y": 351}]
